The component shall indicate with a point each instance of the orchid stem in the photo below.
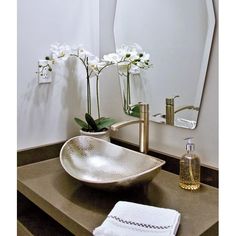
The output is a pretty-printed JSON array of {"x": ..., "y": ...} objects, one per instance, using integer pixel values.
[
  {"x": 88, "y": 89},
  {"x": 97, "y": 92},
  {"x": 128, "y": 91},
  {"x": 88, "y": 97}
]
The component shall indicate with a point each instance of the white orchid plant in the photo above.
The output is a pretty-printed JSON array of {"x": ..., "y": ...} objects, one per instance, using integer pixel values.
[
  {"x": 93, "y": 67},
  {"x": 130, "y": 59}
]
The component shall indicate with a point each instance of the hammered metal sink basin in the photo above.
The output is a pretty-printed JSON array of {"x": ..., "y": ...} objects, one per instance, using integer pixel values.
[{"x": 104, "y": 165}]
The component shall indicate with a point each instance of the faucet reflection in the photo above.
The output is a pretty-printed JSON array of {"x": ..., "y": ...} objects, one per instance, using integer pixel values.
[
  {"x": 170, "y": 104},
  {"x": 187, "y": 107},
  {"x": 170, "y": 110},
  {"x": 143, "y": 126}
]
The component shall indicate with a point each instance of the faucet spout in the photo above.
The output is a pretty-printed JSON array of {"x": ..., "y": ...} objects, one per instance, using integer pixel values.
[
  {"x": 121, "y": 124},
  {"x": 143, "y": 127},
  {"x": 190, "y": 107}
]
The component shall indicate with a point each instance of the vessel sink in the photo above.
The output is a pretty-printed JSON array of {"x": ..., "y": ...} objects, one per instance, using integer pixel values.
[{"x": 101, "y": 164}]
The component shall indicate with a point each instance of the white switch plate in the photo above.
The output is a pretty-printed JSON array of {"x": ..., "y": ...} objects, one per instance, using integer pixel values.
[{"x": 44, "y": 75}]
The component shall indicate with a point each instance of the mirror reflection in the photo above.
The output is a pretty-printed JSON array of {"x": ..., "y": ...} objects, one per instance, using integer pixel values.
[{"x": 177, "y": 35}]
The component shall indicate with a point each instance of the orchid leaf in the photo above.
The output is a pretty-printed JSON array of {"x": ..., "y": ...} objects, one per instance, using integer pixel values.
[
  {"x": 135, "y": 111},
  {"x": 92, "y": 125},
  {"x": 81, "y": 123},
  {"x": 105, "y": 123},
  {"x": 91, "y": 122}
]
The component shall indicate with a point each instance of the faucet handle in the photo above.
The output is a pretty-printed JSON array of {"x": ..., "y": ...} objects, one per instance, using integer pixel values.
[
  {"x": 144, "y": 107},
  {"x": 137, "y": 104},
  {"x": 170, "y": 101}
]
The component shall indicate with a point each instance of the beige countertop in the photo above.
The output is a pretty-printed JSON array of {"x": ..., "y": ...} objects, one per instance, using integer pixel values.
[{"x": 80, "y": 209}]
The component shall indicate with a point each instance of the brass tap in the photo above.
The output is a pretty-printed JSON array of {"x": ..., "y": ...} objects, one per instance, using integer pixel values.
[
  {"x": 170, "y": 110},
  {"x": 143, "y": 126},
  {"x": 170, "y": 104}
]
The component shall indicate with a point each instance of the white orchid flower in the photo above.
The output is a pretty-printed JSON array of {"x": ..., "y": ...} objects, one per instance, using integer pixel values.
[
  {"x": 74, "y": 50},
  {"x": 112, "y": 58},
  {"x": 83, "y": 54},
  {"x": 145, "y": 57},
  {"x": 133, "y": 56},
  {"x": 123, "y": 51},
  {"x": 132, "y": 53},
  {"x": 60, "y": 51},
  {"x": 102, "y": 64},
  {"x": 141, "y": 64},
  {"x": 92, "y": 64},
  {"x": 136, "y": 47},
  {"x": 134, "y": 70}
]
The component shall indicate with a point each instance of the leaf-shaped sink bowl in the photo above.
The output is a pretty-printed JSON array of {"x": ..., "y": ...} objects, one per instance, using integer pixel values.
[{"x": 100, "y": 164}]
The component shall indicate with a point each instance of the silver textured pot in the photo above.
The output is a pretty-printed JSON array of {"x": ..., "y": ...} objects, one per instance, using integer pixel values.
[{"x": 104, "y": 135}]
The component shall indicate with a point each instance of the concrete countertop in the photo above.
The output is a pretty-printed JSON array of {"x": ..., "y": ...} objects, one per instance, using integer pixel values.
[{"x": 80, "y": 209}]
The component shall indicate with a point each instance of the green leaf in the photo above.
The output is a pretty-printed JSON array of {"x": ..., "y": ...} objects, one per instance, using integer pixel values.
[
  {"x": 91, "y": 122},
  {"x": 99, "y": 120},
  {"x": 135, "y": 111},
  {"x": 105, "y": 123},
  {"x": 135, "y": 114},
  {"x": 94, "y": 125},
  {"x": 136, "y": 108},
  {"x": 81, "y": 123}
]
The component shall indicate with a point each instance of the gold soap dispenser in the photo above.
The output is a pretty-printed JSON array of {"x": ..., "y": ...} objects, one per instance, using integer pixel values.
[{"x": 189, "y": 175}]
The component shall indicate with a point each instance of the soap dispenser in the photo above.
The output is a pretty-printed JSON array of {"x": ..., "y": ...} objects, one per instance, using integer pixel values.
[{"x": 189, "y": 175}]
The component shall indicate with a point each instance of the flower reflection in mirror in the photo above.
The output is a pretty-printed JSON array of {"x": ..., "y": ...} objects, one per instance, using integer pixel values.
[{"x": 131, "y": 60}]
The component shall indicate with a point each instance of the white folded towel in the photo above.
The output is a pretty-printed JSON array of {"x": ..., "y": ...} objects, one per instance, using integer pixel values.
[{"x": 132, "y": 219}]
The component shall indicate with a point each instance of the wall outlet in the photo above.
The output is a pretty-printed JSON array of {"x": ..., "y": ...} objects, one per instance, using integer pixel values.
[{"x": 44, "y": 71}]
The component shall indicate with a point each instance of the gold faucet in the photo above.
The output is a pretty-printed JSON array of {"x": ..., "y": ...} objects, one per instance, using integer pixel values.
[
  {"x": 143, "y": 126},
  {"x": 170, "y": 110},
  {"x": 170, "y": 107}
]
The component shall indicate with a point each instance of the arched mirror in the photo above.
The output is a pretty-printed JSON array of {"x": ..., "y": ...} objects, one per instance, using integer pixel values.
[{"x": 178, "y": 36}]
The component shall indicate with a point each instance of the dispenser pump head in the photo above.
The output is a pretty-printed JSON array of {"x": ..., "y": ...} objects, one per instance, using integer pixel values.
[{"x": 190, "y": 146}]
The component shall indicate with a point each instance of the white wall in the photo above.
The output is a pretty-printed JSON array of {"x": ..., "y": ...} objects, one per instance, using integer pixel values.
[
  {"x": 45, "y": 112},
  {"x": 163, "y": 138}
]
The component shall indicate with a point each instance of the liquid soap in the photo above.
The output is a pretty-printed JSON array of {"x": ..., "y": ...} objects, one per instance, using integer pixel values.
[{"x": 189, "y": 175}]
